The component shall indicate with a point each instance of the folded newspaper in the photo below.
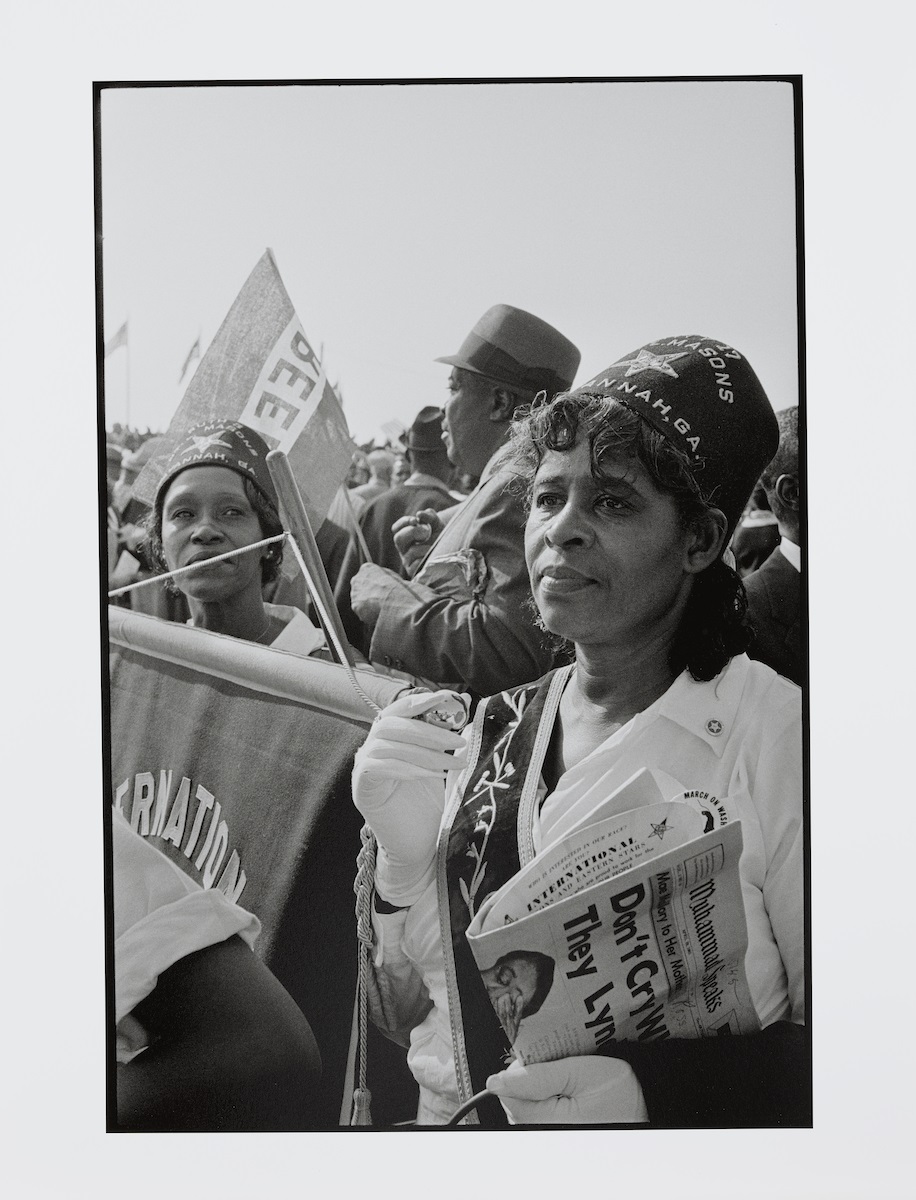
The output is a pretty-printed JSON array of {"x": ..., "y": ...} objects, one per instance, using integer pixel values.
[{"x": 629, "y": 928}]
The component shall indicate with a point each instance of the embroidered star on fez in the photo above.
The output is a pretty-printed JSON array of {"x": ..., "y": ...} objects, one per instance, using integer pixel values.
[
  {"x": 645, "y": 360},
  {"x": 209, "y": 439}
]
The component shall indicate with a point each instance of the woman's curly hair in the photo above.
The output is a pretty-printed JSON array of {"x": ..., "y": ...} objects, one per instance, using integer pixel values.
[
  {"x": 268, "y": 519},
  {"x": 714, "y": 627}
]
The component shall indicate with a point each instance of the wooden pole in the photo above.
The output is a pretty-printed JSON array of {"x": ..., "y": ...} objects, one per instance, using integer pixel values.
[
  {"x": 355, "y": 528},
  {"x": 301, "y": 531}
]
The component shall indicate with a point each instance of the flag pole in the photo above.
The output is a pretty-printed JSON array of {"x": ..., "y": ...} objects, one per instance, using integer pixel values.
[
  {"x": 315, "y": 575},
  {"x": 355, "y": 527},
  {"x": 127, "y": 362}
]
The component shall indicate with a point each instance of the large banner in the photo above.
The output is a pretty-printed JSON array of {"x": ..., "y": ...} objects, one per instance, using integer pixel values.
[
  {"x": 260, "y": 369},
  {"x": 234, "y": 760}
]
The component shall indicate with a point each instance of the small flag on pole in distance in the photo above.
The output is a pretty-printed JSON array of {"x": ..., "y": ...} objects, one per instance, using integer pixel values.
[
  {"x": 116, "y": 340},
  {"x": 193, "y": 353},
  {"x": 393, "y": 430},
  {"x": 260, "y": 369}
]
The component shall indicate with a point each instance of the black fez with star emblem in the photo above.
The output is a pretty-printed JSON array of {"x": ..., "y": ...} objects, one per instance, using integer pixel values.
[
  {"x": 221, "y": 443},
  {"x": 703, "y": 397}
]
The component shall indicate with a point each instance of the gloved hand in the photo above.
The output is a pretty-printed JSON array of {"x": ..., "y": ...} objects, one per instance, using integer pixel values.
[
  {"x": 582, "y": 1090},
  {"x": 399, "y": 787}
]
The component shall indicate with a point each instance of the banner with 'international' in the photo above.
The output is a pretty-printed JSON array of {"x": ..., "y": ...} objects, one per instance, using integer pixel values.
[{"x": 234, "y": 761}]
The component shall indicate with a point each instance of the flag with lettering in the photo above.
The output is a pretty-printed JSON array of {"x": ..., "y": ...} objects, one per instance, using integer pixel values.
[
  {"x": 261, "y": 369},
  {"x": 234, "y": 761}
]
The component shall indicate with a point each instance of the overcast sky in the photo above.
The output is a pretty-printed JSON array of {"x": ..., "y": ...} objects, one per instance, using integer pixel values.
[{"x": 619, "y": 212}]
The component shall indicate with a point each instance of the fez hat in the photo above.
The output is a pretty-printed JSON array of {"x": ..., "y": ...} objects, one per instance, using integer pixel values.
[
  {"x": 704, "y": 398},
  {"x": 221, "y": 443},
  {"x": 519, "y": 350},
  {"x": 426, "y": 430}
]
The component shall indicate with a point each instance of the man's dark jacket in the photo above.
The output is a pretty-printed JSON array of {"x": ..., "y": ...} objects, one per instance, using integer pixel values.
[
  {"x": 401, "y": 501},
  {"x": 774, "y": 607}
]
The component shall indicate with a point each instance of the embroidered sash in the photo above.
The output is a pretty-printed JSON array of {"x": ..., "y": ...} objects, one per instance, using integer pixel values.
[{"x": 483, "y": 844}]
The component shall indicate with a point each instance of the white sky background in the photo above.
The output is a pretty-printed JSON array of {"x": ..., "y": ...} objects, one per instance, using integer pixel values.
[
  {"x": 619, "y": 212},
  {"x": 858, "y": 102}
]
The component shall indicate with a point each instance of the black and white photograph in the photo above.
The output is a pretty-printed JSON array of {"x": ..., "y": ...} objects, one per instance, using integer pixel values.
[
  {"x": 467, "y": 747},
  {"x": 562, "y": 537}
]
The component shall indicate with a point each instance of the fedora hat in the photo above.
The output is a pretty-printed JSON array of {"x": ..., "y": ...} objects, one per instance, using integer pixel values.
[
  {"x": 426, "y": 430},
  {"x": 518, "y": 349}
]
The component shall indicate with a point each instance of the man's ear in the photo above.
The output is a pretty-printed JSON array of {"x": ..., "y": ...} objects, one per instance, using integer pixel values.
[
  {"x": 708, "y": 535},
  {"x": 503, "y": 403},
  {"x": 786, "y": 490}
]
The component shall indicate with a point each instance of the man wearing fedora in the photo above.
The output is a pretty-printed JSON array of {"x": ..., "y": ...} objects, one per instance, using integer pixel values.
[
  {"x": 426, "y": 487},
  {"x": 464, "y": 619}
]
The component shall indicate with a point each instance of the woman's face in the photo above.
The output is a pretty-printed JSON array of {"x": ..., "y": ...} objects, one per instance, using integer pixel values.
[
  {"x": 608, "y": 559},
  {"x": 206, "y": 512}
]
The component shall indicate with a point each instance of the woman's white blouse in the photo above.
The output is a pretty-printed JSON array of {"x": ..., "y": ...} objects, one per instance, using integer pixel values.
[{"x": 736, "y": 738}]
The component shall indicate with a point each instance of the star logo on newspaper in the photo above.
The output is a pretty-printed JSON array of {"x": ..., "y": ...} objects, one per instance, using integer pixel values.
[
  {"x": 645, "y": 360},
  {"x": 659, "y": 830},
  {"x": 204, "y": 442}
]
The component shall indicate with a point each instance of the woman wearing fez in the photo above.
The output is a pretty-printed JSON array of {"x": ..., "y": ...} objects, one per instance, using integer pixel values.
[
  {"x": 635, "y": 482},
  {"x": 215, "y": 496}
]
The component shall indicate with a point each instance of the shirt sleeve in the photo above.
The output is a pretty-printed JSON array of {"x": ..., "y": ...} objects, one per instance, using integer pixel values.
[
  {"x": 484, "y": 639},
  {"x": 161, "y": 915},
  {"x": 398, "y": 997},
  {"x": 778, "y": 799},
  {"x": 764, "y": 1078}
]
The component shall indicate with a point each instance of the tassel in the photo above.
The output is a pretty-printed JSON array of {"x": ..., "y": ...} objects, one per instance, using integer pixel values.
[
  {"x": 364, "y": 886},
  {"x": 361, "y": 1100}
]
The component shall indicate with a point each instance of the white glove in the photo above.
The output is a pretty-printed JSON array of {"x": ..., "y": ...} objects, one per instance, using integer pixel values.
[
  {"x": 582, "y": 1090},
  {"x": 399, "y": 787}
]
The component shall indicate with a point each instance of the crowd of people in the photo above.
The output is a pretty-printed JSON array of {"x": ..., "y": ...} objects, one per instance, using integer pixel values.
[{"x": 609, "y": 574}]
